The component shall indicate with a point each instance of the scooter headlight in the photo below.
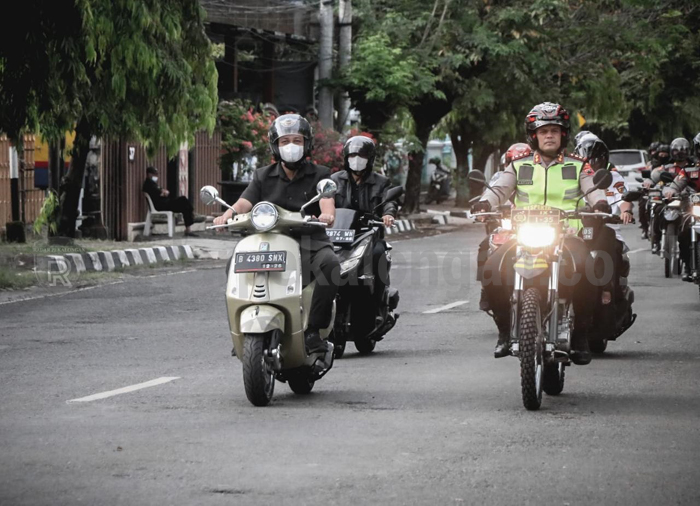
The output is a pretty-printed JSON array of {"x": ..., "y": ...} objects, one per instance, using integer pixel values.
[
  {"x": 354, "y": 257},
  {"x": 264, "y": 216},
  {"x": 531, "y": 235}
]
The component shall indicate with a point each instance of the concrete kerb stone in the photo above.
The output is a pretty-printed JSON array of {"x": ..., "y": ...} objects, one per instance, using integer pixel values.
[
  {"x": 92, "y": 261},
  {"x": 76, "y": 261},
  {"x": 162, "y": 253},
  {"x": 148, "y": 255},
  {"x": 401, "y": 226},
  {"x": 120, "y": 259},
  {"x": 134, "y": 257},
  {"x": 107, "y": 260}
]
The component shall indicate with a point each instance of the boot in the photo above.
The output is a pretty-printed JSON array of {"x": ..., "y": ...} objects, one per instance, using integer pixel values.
[
  {"x": 655, "y": 248},
  {"x": 580, "y": 352},
  {"x": 484, "y": 301},
  {"x": 503, "y": 344},
  {"x": 687, "y": 275}
]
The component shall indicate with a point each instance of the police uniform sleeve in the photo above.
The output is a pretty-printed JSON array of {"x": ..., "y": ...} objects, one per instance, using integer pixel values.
[
  {"x": 585, "y": 181},
  {"x": 502, "y": 189},
  {"x": 679, "y": 183}
]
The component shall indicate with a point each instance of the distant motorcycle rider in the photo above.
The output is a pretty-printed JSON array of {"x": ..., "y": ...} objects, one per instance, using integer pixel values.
[
  {"x": 547, "y": 177},
  {"x": 361, "y": 189},
  {"x": 688, "y": 177}
]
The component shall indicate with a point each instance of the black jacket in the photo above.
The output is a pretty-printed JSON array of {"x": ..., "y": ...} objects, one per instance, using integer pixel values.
[
  {"x": 370, "y": 193},
  {"x": 153, "y": 190}
]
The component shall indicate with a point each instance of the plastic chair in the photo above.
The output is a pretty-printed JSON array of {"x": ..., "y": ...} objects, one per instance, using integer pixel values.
[{"x": 152, "y": 211}]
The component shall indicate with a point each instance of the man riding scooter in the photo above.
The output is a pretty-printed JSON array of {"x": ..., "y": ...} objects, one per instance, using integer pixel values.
[
  {"x": 546, "y": 177},
  {"x": 361, "y": 189},
  {"x": 289, "y": 183}
]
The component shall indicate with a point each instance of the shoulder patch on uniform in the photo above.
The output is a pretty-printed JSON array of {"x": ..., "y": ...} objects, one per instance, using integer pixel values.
[
  {"x": 522, "y": 156},
  {"x": 620, "y": 186},
  {"x": 575, "y": 157},
  {"x": 588, "y": 170}
]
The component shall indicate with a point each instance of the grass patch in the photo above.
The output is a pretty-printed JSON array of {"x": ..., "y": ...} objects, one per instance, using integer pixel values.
[{"x": 12, "y": 279}]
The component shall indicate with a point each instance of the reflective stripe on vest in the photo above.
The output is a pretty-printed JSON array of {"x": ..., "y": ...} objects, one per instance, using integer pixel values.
[{"x": 557, "y": 186}]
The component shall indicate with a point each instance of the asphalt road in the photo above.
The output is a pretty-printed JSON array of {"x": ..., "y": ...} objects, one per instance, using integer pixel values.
[{"x": 429, "y": 418}]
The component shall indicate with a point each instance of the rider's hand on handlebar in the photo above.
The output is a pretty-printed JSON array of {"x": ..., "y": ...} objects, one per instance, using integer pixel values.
[
  {"x": 223, "y": 219},
  {"x": 602, "y": 206},
  {"x": 627, "y": 218},
  {"x": 327, "y": 218},
  {"x": 668, "y": 193},
  {"x": 388, "y": 220}
]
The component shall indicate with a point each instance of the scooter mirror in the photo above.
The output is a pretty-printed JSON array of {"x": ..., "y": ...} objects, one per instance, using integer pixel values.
[
  {"x": 602, "y": 179},
  {"x": 476, "y": 177},
  {"x": 326, "y": 188},
  {"x": 208, "y": 195},
  {"x": 632, "y": 196},
  {"x": 646, "y": 174},
  {"x": 667, "y": 177},
  {"x": 394, "y": 193}
]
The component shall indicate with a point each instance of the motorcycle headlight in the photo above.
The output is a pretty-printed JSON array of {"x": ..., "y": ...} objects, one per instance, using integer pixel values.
[
  {"x": 696, "y": 211},
  {"x": 506, "y": 224},
  {"x": 536, "y": 236},
  {"x": 264, "y": 216}
]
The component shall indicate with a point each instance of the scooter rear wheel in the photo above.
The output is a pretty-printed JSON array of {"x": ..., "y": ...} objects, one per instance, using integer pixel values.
[
  {"x": 300, "y": 385},
  {"x": 365, "y": 346},
  {"x": 258, "y": 377}
]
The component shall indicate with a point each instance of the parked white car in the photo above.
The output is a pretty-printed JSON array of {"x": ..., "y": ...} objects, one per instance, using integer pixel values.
[{"x": 630, "y": 163}]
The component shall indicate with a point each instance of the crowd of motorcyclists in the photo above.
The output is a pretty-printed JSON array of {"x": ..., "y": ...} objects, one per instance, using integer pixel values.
[{"x": 541, "y": 176}]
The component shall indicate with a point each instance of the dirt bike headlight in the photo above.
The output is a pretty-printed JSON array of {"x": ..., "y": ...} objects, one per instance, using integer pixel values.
[
  {"x": 264, "y": 216},
  {"x": 536, "y": 236},
  {"x": 506, "y": 224},
  {"x": 696, "y": 211}
]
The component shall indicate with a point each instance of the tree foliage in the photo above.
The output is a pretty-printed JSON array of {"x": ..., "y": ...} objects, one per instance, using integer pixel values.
[{"x": 141, "y": 69}]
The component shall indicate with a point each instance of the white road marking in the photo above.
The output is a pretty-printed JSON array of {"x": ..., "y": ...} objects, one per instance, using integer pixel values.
[
  {"x": 637, "y": 251},
  {"x": 125, "y": 390},
  {"x": 445, "y": 308}
]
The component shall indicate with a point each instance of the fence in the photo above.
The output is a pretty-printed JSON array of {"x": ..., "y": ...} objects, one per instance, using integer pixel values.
[{"x": 30, "y": 198}]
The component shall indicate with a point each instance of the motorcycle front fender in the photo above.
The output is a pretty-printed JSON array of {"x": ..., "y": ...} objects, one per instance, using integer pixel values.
[
  {"x": 261, "y": 319},
  {"x": 530, "y": 265}
]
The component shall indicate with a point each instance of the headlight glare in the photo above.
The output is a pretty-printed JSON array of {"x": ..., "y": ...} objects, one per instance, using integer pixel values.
[
  {"x": 264, "y": 216},
  {"x": 696, "y": 211},
  {"x": 536, "y": 236}
]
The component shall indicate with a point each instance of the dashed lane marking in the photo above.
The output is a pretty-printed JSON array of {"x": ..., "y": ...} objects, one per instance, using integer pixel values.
[
  {"x": 445, "y": 308},
  {"x": 637, "y": 251},
  {"x": 125, "y": 390}
]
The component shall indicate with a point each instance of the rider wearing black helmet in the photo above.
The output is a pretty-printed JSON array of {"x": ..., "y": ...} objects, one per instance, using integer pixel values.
[
  {"x": 362, "y": 189},
  {"x": 290, "y": 182}
]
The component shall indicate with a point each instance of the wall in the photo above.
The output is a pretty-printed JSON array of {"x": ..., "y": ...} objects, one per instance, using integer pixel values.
[{"x": 33, "y": 198}]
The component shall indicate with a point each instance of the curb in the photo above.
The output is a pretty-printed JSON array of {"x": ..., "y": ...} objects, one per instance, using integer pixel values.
[
  {"x": 108, "y": 261},
  {"x": 401, "y": 226}
]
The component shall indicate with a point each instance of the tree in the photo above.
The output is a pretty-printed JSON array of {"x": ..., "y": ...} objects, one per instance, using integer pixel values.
[{"x": 138, "y": 69}]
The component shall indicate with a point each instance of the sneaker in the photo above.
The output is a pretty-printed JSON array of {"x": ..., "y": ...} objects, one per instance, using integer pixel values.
[
  {"x": 655, "y": 249},
  {"x": 687, "y": 277},
  {"x": 314, "y": 343},
  {"x": 503, "y": 345},
  {"x": 191, "y": 234}
]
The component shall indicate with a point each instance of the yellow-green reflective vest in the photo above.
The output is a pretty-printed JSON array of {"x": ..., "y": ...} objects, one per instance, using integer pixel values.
[{"x": 556, "y": 186}]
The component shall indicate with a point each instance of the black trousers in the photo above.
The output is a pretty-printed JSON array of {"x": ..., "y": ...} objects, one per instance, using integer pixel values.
[
  {"x": 323, "y": 266},
  {"x": 180, "y": 205},
  {"x": 643, "y": 214},
  {"x": 497, "y": 276},
  {"x": 685, "y": 242}
]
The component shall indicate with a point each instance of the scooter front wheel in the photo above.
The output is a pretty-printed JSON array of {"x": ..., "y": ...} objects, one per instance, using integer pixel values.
[{"x": 258, "y": 376}]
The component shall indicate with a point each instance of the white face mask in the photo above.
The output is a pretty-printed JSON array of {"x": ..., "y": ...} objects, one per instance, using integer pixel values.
[
  {"x": 357, "y": 163},
  {"x": 291, "y": 153},
  {"x": 154, "y": 178}
]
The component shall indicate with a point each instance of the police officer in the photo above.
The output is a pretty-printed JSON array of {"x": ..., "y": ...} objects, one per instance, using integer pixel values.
[
  {"x": 291, "y": 182},
  {"x": 548, "y": 177},
  {"x": 688, "y": 177},
  {"x": 361, "y": 189}
]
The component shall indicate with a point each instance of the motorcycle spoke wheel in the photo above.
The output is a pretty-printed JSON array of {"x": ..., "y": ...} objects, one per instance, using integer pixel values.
[
  {"x": 258, "y": 377},
  {"x": 531, "y": 359}
]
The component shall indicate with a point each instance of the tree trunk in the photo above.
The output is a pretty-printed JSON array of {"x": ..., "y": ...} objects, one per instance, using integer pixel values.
[
  {"x": 325, "y": 63},
  {"x": 480, "y": 153},
  {"x": 415, "y": 168},
  {"x": 461, "y": 143},
  {"x": 72, "y": 182}
]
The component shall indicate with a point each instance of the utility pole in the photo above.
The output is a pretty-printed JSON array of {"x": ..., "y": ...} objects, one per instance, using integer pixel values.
[
  {"x": 344, "y": 52},
  {"x": 325, "y": 63}
]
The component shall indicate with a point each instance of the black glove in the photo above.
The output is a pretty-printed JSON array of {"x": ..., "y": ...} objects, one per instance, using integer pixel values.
[
  {"x": 602, "y": 206},
  {"x": 483, "y": 206}
]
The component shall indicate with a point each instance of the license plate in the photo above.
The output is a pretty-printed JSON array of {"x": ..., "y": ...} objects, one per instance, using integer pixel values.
[
  {"x": 341, "y": 235},
  {"x": 261, "y": 261},
  {"x": 547, "y": 216},
  {"x": 654, "y": 194}
]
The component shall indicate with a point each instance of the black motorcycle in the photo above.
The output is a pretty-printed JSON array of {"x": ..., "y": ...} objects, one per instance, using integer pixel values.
[
  {"x": 358, "y": 319},
  {"x": 694, "y": 218}
]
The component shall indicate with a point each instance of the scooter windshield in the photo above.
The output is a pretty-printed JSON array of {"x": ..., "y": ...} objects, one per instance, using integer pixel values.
[{"x": 345, "y": 219}]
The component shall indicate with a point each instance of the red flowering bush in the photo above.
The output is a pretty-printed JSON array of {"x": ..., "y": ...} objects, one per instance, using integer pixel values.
[{"x": 243, "y": 137}]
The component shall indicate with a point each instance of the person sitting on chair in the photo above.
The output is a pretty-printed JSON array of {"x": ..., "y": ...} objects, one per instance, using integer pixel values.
[{"x": 162, "y": 200}]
